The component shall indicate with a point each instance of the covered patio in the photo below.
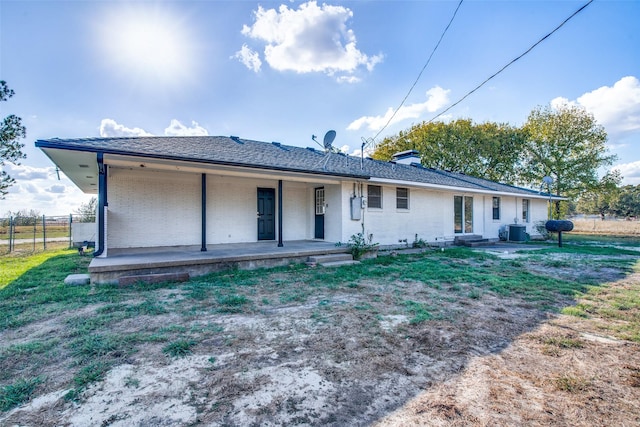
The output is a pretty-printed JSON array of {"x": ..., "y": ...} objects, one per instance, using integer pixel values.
[{"x": 193, "y": 261}]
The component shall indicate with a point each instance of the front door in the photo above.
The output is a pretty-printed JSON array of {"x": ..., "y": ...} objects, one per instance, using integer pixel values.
[
  {"x": 319, "y": 203},
  {"x": 266, "y": 214}
]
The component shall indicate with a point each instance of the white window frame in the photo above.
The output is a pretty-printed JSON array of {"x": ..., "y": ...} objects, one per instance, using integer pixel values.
[
  {"x": 375, "y": 197},
  {"x": 526, "y": 210},
  {"x": 402, "y": 198},
  {"x": 494, "y": 207}
]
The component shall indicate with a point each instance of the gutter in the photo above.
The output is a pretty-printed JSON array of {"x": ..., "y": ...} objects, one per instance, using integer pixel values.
[{"x": 102, "y": 203}]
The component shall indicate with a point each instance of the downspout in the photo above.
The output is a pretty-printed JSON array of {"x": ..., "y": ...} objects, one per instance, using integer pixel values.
[
  {"x": 204, "y": 213},
  {"x": 280, "y": 214},
  {"x": 102, "y": 203}
]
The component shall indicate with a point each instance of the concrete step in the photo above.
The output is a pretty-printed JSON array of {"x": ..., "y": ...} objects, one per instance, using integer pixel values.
[
  {"x": 339, "y": 263},
  {"x": 474, "y": 243},
  {"x": 323, "y": 259},
  {"x": 77, "y": 279},
  {"x": 469, "y": 239},
  {"x": 466, "y": 237}
]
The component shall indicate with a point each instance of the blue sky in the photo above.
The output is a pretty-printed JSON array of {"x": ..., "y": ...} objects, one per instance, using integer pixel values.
[{"x": 282, "y": 71}]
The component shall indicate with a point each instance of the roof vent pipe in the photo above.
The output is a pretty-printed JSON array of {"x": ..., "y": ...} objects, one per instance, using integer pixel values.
[{"x": 407, "y": 157}]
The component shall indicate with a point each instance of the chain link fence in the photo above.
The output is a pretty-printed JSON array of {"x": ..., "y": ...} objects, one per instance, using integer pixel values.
[{"x": 35, "y": 233}]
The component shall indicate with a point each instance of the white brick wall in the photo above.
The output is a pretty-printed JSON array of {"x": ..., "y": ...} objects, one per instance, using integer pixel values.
[
  {"x": 232, "y": 209},
  {"x": 149, "y": 208},
  {"x": 430, "y": 215}
]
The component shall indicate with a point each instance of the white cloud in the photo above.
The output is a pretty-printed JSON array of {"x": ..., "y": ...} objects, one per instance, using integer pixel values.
[
  {"x": 630, "y": 172},
  {"x": 368, "y": 151},
  {"x": 57, "y": 189},
  {"x": 617, "y": 108},
  {"x": 178, "y": 129},
  {"x": 437, "y": 98},
  {"x": 109, "y": 128},
  {"x": 39, "y": 189},
  {"x": 310, "y": 39},
  {"x": 25, "y": 173},
  {"x": 348, "y": 79},
  {"x": 249, "y": 58}
]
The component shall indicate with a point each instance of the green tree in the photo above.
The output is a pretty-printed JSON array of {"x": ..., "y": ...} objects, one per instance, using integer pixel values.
[
  {"x": 602, "y": 198},
  {"x": 487, "y": 150},
  {"x": 87, "y": 211},
  {"x": 566, "y": 144},
  {"x": 11, "y": 132},
  {"x": 628, "y": 201}
]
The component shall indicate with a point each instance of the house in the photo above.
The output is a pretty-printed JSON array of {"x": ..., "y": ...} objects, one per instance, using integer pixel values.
[{"x": 207, "y": 190}]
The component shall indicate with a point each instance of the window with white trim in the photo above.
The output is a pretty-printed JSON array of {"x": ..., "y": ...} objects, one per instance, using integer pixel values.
[
  {"x": 402, "y": 198},
  {"x": 374, "y": 196},
  {"x": 525, "y": 210},
  {"x": 496, "y": 208}
]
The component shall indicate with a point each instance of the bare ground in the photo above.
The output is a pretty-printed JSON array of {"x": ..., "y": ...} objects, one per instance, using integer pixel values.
[{"x": 343, "y": 358}]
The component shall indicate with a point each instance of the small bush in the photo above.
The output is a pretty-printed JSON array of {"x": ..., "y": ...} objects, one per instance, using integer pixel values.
[{"x": 359, "y": 245}]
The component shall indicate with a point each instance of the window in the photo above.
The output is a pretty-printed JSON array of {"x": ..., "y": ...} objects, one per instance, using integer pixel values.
[
  {"x": 463, "y": 214},
  {"x": 374, "y": 194},
  {"x": 320, "y": 201},
  {"x": 525, "y": 210},
  {"x": 402, "y": 198},
  {"x": 468, "y": 214},
  {"x": 496, "y": 208}
]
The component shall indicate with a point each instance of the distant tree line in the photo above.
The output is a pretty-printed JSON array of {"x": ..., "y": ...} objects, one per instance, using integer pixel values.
[
  {"x": 565, "y": 144},
  {"x": 85, "y": 213},
  {"x": 619, "y": 201},
  {"x": 22, "y": 217}
]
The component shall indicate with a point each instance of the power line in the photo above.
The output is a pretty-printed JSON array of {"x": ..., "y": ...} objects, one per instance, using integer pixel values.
[
  {"x": 421, "y": 71},
  {"x": 512, "y": 62}
]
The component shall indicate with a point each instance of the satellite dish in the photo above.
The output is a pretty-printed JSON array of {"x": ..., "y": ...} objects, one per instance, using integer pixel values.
[
  {"x": 328, "y": 139},
  {"x": 547, "y": 180}
]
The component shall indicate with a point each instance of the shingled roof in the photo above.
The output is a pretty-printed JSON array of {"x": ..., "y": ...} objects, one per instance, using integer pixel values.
[{"x": 234, "y": 151}]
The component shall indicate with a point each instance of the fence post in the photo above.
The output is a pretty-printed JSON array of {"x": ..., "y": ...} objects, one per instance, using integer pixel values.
[
  {"x": 35, "y": 223},
  {"x": 70, "y": 236},
  {"x": 44, "y": 232},
  {"x": 10, "y": 232}
]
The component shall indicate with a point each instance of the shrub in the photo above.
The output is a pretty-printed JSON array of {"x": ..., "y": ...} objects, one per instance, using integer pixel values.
[{"x": 359, "y": 245}]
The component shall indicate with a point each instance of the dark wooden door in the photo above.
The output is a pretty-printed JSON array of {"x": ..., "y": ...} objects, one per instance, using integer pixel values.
[
  {"x": 266, "y": 214},
  {"x": 319, "y": 205}
]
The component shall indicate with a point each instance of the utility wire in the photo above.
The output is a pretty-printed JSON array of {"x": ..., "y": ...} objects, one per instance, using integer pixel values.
[
  {"x": 421, "y": 71},
  {"x": 512, "y": 62}
]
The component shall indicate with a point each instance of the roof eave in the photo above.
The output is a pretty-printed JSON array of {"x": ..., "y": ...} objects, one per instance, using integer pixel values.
[{"x": 54, "y": 145}]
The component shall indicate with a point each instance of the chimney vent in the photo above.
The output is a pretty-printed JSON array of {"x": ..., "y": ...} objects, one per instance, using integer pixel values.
[{"x": 407, "y": 157}]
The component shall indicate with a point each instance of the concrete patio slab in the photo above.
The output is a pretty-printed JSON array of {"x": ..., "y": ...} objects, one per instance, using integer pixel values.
[{"x": 191, "y": 260}]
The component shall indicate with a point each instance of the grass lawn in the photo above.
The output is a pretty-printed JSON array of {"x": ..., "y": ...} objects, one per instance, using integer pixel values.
[{"x": 391, "y": 325}]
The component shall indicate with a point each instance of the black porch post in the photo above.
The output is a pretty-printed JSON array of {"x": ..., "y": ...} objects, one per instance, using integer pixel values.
[
  {"x": 204, "y": 213},
  {"x": 280, "y": 214}
]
